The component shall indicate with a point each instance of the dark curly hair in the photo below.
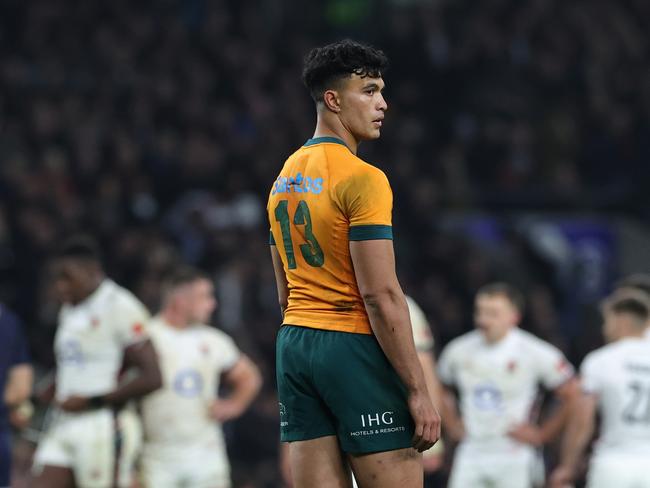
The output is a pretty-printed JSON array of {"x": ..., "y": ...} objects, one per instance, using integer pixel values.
[{"x": 328, "y": 64}]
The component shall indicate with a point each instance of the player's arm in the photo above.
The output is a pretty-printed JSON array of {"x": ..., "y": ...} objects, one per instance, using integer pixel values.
[
  {"x": 453, "y": 423},
  {"x": 374, "y": 267},
  {"x": 141, "y": 358},
  {"x": 580, "y": 429},
  {"x": 19, "y": 385},
  {"x": 280, "y": 279},
  {"x": 244, "y": 380},
  {"x": 566, "y": 394}
]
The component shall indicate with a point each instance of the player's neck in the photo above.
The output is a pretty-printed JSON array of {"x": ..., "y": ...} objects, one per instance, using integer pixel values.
[
  {"x": 332, "y": 127},
  {"x": 174, "y": 319}
]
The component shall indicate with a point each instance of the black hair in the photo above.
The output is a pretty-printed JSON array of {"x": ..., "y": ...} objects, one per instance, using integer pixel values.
[
  {"x": 631, "y": 305},
  {"x": 638, "y": 281},
  {"x": 512, "y": 294},
  {"x": 79, "y": 246},
  {"x": 326, "y": 65}
]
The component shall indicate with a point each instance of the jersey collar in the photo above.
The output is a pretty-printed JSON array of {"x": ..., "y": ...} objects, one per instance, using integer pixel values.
[{"x": 324, "y": 139}]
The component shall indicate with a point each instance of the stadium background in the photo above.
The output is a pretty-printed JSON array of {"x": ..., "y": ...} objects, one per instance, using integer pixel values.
[{"x": 517, "y": 143}]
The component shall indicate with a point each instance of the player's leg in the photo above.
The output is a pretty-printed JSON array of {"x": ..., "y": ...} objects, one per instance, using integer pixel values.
[
  {"x": 401, "y": 467},
  {"x": 54, "y": 477},
  {"x": 319, "y": 463},
  {"x": 467, "y": 470},
  {"x": 306, "y": 423},
  {"x": 127, "y": 430},
  {"x": 52, "y": 466}
]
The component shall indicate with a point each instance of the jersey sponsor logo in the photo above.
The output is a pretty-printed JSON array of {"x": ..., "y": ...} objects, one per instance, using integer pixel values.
[
  {"x": 487, "y": 397},
  {"x": 370, "y": 419},
  {"x": 70, "y": 353},
  {"x": 188, "y": 383},
  {"x": 283, "y": 413},
  {"x": 297, "y": 184}
]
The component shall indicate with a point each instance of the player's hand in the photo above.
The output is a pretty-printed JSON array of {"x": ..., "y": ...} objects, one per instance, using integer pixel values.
[
  {"x": 20, "y": 416},
  {"x": 527, "y": 434},
  {"x": 426, "y": 419},
  {"x": 75, "y": 404},
  {"x": 224, "y": 410},
  {"x": 561, "y": 477}
]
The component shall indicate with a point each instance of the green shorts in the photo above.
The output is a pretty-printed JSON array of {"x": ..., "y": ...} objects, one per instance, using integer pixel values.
[{"x": 339, "y": 383}]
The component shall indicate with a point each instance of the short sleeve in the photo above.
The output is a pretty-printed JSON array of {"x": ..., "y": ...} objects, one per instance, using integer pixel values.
[
  {"x": 367, "y": 201},
  {"x": 229, "y": 353},
  {"x": 554, "y": 369},
  {"x": 421, "y": 330},
  {"x": 590, "y": 379},
  {"x": 131, "y": 318},
  {"x": 446, "y": 369}
]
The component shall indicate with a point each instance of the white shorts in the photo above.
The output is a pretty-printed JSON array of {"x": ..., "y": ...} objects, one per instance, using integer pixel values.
[
  {"x": 618, "y": 471},
  {"x": 198, "y": 466},
  {"x": 90, "y": 443},
  {"x": 492, "y": 469}
]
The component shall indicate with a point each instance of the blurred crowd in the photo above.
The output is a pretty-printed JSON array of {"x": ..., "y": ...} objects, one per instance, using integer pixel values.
[{"x": 159, "y": 127}]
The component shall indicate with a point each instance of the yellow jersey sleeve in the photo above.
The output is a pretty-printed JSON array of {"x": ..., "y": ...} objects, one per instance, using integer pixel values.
[{"x": 367, "y": 201}]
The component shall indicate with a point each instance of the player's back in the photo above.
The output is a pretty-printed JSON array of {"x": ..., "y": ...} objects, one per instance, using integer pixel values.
[
  {"x": 619, "y": 374},
  {"x": 323, "y": 198}
]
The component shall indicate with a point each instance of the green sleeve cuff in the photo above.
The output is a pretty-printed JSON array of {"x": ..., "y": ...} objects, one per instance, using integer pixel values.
[
  {"x": 271, "y": 239},
  {"x": 370, "y": 232}
]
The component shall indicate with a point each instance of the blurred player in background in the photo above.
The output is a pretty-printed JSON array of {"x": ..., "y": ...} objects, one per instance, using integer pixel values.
[
  {"x": 616, "y": 383},
  {"x": 639, "y": 282},
  {"x": 432, "y": 458},
  {"x": 348, "y": 375},
  {"x": 93, "y": 438},
  {"x": 184, "y": 445},
  {"x": 16, "y": 377},
  {"x": 497, "y": 370}
]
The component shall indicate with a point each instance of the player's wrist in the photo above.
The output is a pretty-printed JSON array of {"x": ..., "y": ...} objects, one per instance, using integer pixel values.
[{"x": 96, "y": 402}]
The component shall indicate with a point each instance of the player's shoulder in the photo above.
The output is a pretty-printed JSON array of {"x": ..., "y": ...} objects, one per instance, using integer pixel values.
[
  {"x": 123, "y": 299},
  {"x": 213, "y": 334},
  {"x": 469, "y": 340},
  {"x": 613, "y": 351},
  {"x": 531, "y": 343}
]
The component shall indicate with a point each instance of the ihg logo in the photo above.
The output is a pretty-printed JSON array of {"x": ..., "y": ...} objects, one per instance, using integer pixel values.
[{"x": 376, "y": 419}]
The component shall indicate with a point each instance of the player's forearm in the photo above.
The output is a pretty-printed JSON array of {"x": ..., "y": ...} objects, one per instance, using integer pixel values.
[
  {"x": 575, "y": 441},
  {"x": 552, "y": 427},
  {"x": 19, "y": 385},
  {"x": 246, "y": 389},
  {"x": 389, "y": 319},
  {"x": 144, "y": 383}
]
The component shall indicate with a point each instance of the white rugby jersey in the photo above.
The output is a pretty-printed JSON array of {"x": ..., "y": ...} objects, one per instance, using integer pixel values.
[
  {"x": 191, "y": 362},
  {"x": 619, "y": 374},
  {"x": 498, "y": 383},
  {"x": 647, "y": 333},
  {"x": 91, "y": 338},
  {"x": 421, "y": 330}
]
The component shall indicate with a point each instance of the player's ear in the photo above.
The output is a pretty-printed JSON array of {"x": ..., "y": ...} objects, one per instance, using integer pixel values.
[{"x": 332, "y": 101}]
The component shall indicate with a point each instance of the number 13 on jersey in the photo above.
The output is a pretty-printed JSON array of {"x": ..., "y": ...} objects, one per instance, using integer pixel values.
[{"x": 311, "y": 250}]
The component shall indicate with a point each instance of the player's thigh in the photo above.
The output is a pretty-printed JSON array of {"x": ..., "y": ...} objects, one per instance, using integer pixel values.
[
  {"x": 53, "y": 477},
  {"x": 319, "y": 463},
  {"x": 52, "y": 466},
  {"x": 511, "y": 470},
  {"x": 303, "y": 414},
  {"x": 127, "y": 439},
  {"x": 401, "y": 467},
  {"x": 466, "y": 471},
  {"x": 155, "y": 473},
  {"x": 363, "y": 392},
  {"x": 619, "y": 473}
]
